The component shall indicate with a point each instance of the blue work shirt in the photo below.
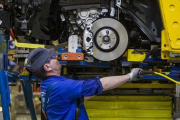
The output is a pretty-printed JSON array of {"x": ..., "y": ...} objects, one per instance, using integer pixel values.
[{"x": 62, "y": 99}]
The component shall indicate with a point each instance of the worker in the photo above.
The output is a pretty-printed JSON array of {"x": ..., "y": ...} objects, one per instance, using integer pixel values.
[{"x": 66, "y": 98}]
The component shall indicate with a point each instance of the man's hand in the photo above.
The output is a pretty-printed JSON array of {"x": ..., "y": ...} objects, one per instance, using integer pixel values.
[{"x": 134, "y": 74}]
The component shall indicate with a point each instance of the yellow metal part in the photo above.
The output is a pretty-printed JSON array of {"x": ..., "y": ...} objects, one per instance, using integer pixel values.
[
  {"x": 129, "y": 105},
  {"x": 135, "y": 56},
  {"x": 131, "y": 98},
  {"x": 27, "y": 45},
  {"x": 10, "y": 53},
  {"x": 129, "y": 108},
  {"x": 24, "y": 73},
  {"x": 152, "y": 85},
  {"x": 170, "y": 36},
  {"x": 130, "y": 119},
  {"x": 125, "y": 54},
  {"x": 64, "y": 70}
]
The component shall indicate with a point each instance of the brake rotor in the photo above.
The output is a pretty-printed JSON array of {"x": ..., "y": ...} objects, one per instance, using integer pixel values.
[{"x": 110, "y": 39}]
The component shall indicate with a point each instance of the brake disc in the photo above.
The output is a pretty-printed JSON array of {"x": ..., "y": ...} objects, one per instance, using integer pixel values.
[{"x": 110, "y": 39}]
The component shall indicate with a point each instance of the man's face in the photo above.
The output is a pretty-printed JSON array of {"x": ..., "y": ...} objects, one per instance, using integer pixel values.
[{"x": 55, "y": 65}]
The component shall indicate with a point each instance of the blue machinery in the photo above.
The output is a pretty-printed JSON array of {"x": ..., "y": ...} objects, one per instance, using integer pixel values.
[
  {"x": 5, "y": 95},
  {"x": 4, "y": 86},
  {"x": 5, "y": 77}
]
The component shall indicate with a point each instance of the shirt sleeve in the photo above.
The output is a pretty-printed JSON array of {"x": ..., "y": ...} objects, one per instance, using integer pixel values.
[{"x": 92, "y": 87}]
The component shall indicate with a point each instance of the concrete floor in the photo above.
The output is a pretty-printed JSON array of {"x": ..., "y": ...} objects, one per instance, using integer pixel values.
[
  {"x": 176, "y": 116},
  {"x": 1, "y": 116}
]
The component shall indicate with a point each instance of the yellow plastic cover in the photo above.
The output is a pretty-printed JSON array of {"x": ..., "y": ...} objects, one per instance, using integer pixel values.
[{"x": 135, "y": 56}]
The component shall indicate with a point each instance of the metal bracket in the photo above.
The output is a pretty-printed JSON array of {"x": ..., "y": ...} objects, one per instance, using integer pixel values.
[{"x": 118, "y": 3}]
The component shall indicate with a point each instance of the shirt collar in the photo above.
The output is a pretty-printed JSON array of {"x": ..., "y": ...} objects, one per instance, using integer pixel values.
[{"x": 52, "y": 77}]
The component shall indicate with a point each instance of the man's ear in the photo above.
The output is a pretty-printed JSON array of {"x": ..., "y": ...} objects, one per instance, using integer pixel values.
[{"x": 47, "y": 67}]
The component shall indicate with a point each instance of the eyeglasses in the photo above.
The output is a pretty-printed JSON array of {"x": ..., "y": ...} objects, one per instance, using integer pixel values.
[{"x": 50, "y": 58}]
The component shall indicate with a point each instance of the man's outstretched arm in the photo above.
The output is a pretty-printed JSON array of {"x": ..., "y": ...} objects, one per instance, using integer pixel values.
[
  {"x": 115, "y": 81},
  {"x": 112, "y": 82}
]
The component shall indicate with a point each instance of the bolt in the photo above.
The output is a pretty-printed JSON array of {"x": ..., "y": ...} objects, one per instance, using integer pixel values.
[
  {"x": 65, "y": 56},
  {"x": 79, "y": 56},
  {"x": 107, "y": 32}
]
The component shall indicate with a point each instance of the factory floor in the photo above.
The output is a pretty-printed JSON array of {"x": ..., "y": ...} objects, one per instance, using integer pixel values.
[{"x": 176, "y": 116}]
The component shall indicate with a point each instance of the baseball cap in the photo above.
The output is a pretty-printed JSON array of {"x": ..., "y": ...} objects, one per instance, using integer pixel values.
[{"x": 37, "y": 58}]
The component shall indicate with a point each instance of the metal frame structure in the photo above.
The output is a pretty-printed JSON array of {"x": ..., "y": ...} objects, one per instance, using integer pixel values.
[{"x": 4, "y": 87}]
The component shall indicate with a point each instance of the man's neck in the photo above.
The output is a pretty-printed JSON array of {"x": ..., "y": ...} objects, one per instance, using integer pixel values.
[{"x": 50, "y": 74}]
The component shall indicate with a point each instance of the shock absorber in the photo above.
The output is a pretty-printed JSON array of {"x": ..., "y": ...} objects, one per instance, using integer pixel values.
[{"x": 112, "y": 9}]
